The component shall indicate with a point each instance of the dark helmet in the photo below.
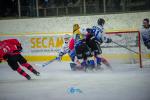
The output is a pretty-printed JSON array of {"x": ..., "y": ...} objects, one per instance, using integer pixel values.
[
  {"x": 146, "y": 19},
  {"x": 101, "y": 21},
  {"x": 146, "y": 23}
]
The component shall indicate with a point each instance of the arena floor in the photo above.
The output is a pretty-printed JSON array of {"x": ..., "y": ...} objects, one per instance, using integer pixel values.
[{"x": 124, "y": 82}]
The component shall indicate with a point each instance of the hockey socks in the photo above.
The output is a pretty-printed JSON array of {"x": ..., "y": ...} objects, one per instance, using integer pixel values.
[
  {"x": 29, "y": 67},
  {"x": 98, "y": 60},
  {"x": 23, "y": 73},
  {"x": 104, "y": 61}
]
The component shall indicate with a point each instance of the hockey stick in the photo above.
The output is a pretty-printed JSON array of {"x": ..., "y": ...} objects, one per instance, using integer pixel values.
[
  {"x": 47, "y": 63},
  {"x": 125, "y": 47}
]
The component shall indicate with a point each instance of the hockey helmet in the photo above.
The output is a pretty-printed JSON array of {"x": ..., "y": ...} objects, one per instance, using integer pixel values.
[
  {"x": 75, "y": 27},
  {"x": 146, "y": 23},
  {"x": 66, "y": 36},
  {"x": 101, "y": 21},
  {"x": 146, "y": 20}
]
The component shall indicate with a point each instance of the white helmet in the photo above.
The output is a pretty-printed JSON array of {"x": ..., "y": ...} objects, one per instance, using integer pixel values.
[{"x": 66, "y": 36}]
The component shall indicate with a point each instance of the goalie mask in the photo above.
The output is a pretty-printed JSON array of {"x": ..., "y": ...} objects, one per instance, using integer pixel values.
[{"x": 101, "y": 21}]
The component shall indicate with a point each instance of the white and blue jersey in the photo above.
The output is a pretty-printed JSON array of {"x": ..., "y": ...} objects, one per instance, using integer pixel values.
[
  {"x": 145, "y": 33},
  {"x": 65, "y": 48},
  {"x": 98, "y": 33}
]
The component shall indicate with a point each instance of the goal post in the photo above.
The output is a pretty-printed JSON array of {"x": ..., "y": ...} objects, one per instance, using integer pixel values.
[{"x": 128, "y": 44}]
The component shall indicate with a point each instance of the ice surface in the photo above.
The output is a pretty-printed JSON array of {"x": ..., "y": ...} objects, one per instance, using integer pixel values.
[{"x": 124, "y": 82}]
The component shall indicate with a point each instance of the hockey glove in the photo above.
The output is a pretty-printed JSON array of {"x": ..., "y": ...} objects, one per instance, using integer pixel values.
[
  {"x": 109, "y": 40},
  {"x": 58, "y": 58},
  {"x": 61, "y": 54},
  {"x": 19, "y": 48}
]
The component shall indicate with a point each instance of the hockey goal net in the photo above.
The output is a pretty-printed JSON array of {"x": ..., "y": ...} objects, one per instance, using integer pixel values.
[{"x": 127, "y": 46}]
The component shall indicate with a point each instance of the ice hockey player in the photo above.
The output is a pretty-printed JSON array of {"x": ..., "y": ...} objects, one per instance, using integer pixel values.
[
  {"x": 145, "y": 33},
  {"x": 10, "y": 51},
  {"x": 82, "y": 51},
  {"x": 65, "y": 48},
  {"x": 95, "y": 38},
  {"x": 68, "y": 48}
]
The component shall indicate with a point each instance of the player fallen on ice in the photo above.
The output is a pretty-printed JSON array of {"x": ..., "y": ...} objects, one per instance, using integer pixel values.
[
  {"x": 10, "y": 51},
  {"x": 90, "y": 62},
  {"x": 94, "y": 39},
  {"x": 145, "y": 33},
  {"x": 82, "y": 52},
  {"x": 69, "y": 48}
]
